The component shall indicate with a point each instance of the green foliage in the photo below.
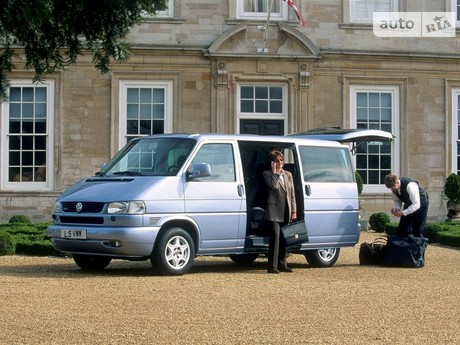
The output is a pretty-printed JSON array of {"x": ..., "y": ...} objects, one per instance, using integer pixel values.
[
  {"x": 54, "y": 33},
  {"x": 432, "y": 230},
  {"x": 29, "y": 238},
  {"x": 34, "y": 246},
  {"x": 391, "y": 228},
  {"x": 7, "y": 246},
  {"x": 452, "y": 188},
  {"x": 436, "y": 232},
  {"x": 359, "y": 182},
  {"x": 449, "y": 238},
  {"x": 378, "y": 221},
  {"x": 19, "y": 218}
]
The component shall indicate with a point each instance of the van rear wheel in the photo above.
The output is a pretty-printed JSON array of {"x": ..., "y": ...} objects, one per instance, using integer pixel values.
[
  {"x": 325, "y": 257},
  {"x": 174, "y": 253}
]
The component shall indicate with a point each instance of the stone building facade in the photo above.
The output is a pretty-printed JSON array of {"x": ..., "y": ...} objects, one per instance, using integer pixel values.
[{"x": 220, "y": 66}]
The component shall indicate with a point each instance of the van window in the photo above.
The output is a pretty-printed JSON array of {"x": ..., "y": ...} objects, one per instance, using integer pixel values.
[
  {"x": 220, "y": 158},
  {"x": 326, "y": 164}
]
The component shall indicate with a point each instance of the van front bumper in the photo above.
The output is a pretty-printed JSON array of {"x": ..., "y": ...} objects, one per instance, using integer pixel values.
[{"x": 133, "y": 242}]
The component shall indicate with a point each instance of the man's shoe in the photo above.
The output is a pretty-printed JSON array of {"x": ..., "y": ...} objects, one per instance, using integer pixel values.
[
  {"x": 273, "y": 270},
  {"x": 285, "y": 269}
]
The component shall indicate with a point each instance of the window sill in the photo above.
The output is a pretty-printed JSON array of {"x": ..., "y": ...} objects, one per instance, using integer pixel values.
[
  {"x": 163, "y": 20},
  {"x": 356, "y": 26}
]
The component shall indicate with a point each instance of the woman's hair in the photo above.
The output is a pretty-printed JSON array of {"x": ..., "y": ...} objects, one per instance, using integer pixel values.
[{"x": 275, "y": 155}]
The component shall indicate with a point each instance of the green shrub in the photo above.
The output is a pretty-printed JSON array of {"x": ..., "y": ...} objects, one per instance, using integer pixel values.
[
  {"x": 447, "y": 238},
  {"x": 7, "y": 246},
  {"x": 452, "y": 188},
  {"x": 431, "y": 231},
  {"x": 19, "y": 218},
  {"x": 30, "y": 238},
  {"x": 359, "y": 182},
  {"x": 391, "y": 228},
  {"x": 378, "y": 220},
  {"x": 35, "y": 246}
]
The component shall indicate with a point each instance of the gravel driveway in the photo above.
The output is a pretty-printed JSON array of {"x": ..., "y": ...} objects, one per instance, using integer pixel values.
[{"x": 51, "y": 301}]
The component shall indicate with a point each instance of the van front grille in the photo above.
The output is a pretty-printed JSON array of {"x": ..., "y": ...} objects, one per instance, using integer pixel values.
[{"x": 87, "y": 206}]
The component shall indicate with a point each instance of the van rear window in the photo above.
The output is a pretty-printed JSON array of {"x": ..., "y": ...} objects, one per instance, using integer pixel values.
[{"x": 326, "y": 164}]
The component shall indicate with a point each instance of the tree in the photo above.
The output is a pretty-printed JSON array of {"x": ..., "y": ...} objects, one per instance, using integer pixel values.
[{"x": 51, "y": 34}]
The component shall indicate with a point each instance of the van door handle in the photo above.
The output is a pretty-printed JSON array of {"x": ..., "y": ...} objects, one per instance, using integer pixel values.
[
  {"x": 240, "y": 190},
  {"x": 308, "y": 190}
]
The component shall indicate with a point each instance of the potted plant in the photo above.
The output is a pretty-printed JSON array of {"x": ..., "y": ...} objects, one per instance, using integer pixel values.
[{"x": 452, "y": 192}]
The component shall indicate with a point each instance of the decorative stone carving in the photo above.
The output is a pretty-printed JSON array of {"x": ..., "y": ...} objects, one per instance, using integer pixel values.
[{"x": 304, "y": 79}]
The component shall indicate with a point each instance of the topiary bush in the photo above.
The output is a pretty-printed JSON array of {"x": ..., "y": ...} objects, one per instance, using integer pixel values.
[
  {"x": 7, "y": 246},
  {"x": 452, "y": 188},
  {"x": 30, "y": 238},
  {"x": 20, "y": 218},
  {"x": 378, "y": 221},
  {"x": 391, "y": 228},
  {"x": 432, "y": 229},
  {"x": 36, "y": 246}
]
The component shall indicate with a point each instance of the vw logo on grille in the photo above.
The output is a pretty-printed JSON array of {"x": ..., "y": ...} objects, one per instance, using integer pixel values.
[{"x": 79, "y": 206}]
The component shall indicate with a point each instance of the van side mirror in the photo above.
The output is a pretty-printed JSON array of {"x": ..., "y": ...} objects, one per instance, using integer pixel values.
[{"x": 198, "y": 170}]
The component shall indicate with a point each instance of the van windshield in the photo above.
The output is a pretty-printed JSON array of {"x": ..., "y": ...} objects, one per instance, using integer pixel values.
[{"x": 149, "y": 157}]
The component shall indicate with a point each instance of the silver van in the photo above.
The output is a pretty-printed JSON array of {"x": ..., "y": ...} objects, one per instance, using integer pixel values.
[{"x": 171, "y": 197}]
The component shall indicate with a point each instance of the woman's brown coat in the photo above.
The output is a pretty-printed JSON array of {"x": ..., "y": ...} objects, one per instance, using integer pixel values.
[{"x": 277, "y": 192}]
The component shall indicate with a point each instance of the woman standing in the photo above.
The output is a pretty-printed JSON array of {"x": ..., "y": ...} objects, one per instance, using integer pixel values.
[{"x": 280, "y": 209}]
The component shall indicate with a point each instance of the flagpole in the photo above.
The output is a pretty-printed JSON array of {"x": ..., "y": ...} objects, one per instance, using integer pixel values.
[{"x": 267, "y": 24}]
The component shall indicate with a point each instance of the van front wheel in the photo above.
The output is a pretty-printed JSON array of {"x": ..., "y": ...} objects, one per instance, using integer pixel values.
[
  {"x": 174, "y": 253},
  {"x": 325, "y": 257}
]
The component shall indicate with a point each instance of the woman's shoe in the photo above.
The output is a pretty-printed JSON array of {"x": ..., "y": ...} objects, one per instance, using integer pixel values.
[{"x": 273, "y": 270}]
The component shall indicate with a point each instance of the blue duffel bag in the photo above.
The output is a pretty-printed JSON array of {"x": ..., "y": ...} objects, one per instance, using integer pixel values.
[{"x": 405, "y": 251}]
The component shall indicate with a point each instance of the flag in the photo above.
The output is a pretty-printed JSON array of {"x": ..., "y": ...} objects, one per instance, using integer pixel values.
[{"x": 301, "y": 19}]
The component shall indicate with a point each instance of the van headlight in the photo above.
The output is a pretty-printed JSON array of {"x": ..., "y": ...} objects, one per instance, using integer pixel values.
[
  {"x": 126, "y": 207},
  {"x": 57, "y": 207}
]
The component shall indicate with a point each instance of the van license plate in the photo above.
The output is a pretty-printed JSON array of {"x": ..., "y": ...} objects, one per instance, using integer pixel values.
[{"x": 73, "y": 233}]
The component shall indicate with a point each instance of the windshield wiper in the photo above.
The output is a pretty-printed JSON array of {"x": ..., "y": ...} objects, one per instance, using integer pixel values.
[{"x": 128, "y": 173}]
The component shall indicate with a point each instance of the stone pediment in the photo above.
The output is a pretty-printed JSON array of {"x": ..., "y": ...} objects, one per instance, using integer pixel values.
[{"x": 249, "y": 40}]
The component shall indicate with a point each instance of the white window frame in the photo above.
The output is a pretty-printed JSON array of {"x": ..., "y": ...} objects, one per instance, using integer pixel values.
[
  {"x": 455, "y": 123},
  {"x": 241, "y": 14},
  {"x": 264, "y": 116},
  {"x": 395, "y": 154},
  {"x": 369, "y": 19},
  {"x": 29, "y": 186},
  {"x": 455, "y": 7},
  {"x": 167, "y": 85}
]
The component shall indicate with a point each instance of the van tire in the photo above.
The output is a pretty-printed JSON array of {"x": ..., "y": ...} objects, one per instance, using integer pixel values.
[
  {"x": 325, "y": 257},
  {"x": 243, "y": 259},
  {"x": 174, "y": 254},
  {"x": 91, "y": 262}
]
